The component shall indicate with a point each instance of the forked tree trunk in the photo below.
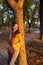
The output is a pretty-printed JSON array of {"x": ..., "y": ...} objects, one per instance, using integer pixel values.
[{"x": 18, "y": 10}]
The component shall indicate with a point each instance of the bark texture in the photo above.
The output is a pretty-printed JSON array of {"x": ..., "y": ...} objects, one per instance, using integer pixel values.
[{"x": 18, "y": 10}]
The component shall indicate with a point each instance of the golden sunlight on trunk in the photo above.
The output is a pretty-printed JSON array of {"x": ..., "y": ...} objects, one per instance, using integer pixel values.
[
  {"x": 18, "y": 9},
  {"x": 19, "y": 19}
]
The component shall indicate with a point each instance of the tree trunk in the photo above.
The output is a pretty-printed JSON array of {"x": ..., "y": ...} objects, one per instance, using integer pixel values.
[
  {"x": 18, "y": 10},
  {"x": 19, "y": 19},
  {"x": 41, "y": 18}
]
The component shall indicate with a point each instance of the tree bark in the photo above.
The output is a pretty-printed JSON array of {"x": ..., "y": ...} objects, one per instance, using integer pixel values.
[
  {"x": 19, "y": 19},
  {"x": 18, "y": 10}
]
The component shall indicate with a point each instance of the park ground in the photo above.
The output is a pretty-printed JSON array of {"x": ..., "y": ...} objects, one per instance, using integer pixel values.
[{"x": 34, "y": 47}]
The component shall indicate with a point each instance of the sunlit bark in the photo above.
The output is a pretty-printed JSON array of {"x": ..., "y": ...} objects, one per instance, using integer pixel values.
[
  {"x": 19, "y": 18},
  {"x": 18, "y": 9}
]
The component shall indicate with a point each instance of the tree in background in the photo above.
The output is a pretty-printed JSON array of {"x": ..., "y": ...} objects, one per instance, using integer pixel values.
[{"x": 1, "y": 18}]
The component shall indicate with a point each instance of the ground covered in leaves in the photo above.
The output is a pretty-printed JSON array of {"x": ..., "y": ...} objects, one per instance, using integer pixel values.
[{"x": 34, "y": 51}]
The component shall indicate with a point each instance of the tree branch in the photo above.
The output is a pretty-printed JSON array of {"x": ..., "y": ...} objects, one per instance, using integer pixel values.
[
  {"x": 20, "y": 2},
  {"x": 11, "y": 3}
]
